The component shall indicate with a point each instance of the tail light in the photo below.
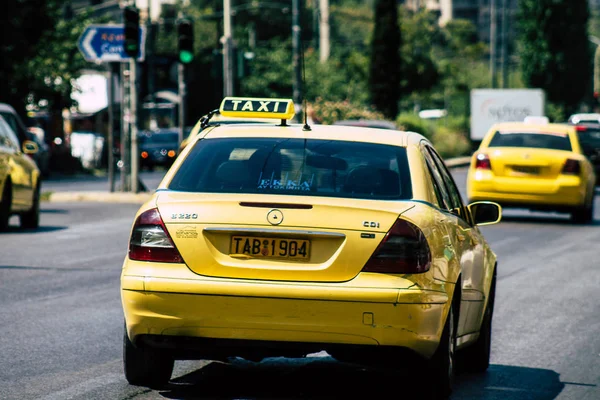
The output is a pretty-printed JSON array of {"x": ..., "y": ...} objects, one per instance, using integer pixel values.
[
  {"x": 404, "y": 250},
  {"x": 482, "y": 161},
  {"x": 571, "y": 167},
  {"x": 150, "y": 240},
  {"x": 580, "y": 128}
]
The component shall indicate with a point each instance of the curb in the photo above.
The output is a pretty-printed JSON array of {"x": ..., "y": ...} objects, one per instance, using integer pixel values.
[
  {"x": 458, "y": 162},
  {"x": 103, "y": 197}
]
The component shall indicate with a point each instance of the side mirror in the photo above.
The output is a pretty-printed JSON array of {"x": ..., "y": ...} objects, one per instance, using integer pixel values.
[
  {"x": 30, "y": 147},
  {"x": 485, "y": 212}
]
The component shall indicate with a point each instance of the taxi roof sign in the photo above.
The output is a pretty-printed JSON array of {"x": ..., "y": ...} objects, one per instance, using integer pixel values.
[{"x": 250, "y": 107}]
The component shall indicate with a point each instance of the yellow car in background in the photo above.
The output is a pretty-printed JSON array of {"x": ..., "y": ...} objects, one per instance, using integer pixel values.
[
  {"x": 533, "y": 165},
  {"x": 20, "y": 180},
  {"x": 283, "y": 239}
]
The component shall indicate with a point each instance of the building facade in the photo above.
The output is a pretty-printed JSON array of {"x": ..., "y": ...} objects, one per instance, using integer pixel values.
[{"x": 476, "y": 11}]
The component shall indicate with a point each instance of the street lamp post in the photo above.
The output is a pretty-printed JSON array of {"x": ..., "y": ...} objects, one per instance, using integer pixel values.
[{"x": 227, "y": 53}]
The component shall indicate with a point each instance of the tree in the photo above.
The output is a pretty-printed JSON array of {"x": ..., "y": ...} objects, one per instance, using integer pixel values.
[
  {"x": 554, "y": 48},
  {"x": 384, "y": 76}
]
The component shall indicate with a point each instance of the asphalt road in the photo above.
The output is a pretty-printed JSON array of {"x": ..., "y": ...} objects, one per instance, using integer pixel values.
[{"x": 61, "y": 320}]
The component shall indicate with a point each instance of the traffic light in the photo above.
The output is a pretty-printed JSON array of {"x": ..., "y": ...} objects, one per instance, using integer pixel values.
[
  {"x": 185, "y": 34},
  {"x": 131, "y": 16}
]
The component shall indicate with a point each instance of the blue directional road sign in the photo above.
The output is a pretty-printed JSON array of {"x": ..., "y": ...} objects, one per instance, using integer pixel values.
[{"x": 106, "y": 43}]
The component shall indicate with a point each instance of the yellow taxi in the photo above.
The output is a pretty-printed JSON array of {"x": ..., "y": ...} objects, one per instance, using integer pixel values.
[
  {"x": 535, "y": 165},
  {"x": 287, "y": 239},
  {"x": 19, "y": 179}
]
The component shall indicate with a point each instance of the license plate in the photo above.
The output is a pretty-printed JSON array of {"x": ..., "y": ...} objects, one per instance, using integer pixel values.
[
  {"x": 522, "y": 169},
  {"x": 263, "y": 247}
]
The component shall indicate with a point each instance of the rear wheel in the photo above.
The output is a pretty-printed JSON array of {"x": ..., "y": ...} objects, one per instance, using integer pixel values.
[
  {"x": 476, "y": 358},
  {"x": 145, "y": 366},
  {"x": 585, "y": 214},
  {"x": 442, "y": 363},
  {"x": 5, "y": 203},
  {"x": 31, "y": 219}
]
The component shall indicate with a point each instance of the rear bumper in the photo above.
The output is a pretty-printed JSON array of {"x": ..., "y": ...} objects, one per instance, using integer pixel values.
[
  {"x": 561, "y": 193},
  {"x": 279, "y": 312}
]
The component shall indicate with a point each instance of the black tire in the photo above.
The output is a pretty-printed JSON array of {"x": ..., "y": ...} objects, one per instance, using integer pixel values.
[
  {"x": 441, "y": 365},
  {"x": 476, "y": 358},
  {"x": 144, "y": 366},
  {"x": 5, "y": 205},
  {"x": 31, "y": 219},
  {"x": 585, "y": 214}
]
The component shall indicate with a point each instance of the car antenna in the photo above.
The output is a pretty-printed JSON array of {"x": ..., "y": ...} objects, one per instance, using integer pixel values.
[{"x": 306, "y": 127}]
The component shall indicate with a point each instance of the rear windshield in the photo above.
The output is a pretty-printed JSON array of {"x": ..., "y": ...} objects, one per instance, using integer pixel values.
[
  {"x": 538, "y": 140},
  {"x": 295, "y": 167}
]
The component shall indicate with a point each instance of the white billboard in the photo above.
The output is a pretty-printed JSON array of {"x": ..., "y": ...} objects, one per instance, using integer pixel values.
[{"x": 489, "y": 106}]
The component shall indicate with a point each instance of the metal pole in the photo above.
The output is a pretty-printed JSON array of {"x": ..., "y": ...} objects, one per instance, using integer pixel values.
[
  {"x": 504, "y": 49},
  {"x": 135, "y": 160},
  {"x": 324, "y": 47},
  {"x": 493, "y": 42},
  {"x": 296, "y": 49},
  {"x": 227, "y": 53},
  {"x": 125, "y": 148},
  {"x": 182, "y": 94},
  {"x": 111, "y": 125},
  {"x": 150, "y": 42}
]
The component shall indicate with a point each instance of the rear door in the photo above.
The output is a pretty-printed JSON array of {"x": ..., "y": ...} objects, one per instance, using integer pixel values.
[{"x": 467, "y": 244}]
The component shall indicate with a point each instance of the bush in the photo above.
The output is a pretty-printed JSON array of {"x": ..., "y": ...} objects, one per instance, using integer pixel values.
[
  {"x": 451, "y": 143},
  {"x": 327, "y": 112},
  {"x": 414, "y": 123}
]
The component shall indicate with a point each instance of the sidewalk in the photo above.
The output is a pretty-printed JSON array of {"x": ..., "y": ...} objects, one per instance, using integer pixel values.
[{"x": 140, "y": 198}]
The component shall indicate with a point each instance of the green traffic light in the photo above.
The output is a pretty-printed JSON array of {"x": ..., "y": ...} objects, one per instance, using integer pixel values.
[{"x": 186, "y": 56}]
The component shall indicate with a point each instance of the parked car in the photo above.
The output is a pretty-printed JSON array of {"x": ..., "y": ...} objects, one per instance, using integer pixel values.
[
  {"x": 19, "y": 179},
  {"x": 158, "y": 148},
  {"x": 42, "y": 155},
  {"x": 584, "y": 117},
  {"x": 281, "y": 240}
]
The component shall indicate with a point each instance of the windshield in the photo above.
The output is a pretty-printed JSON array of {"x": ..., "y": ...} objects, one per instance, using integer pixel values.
[
  {"x": 537, "y": 140},
  {"x": 295, "y": 167}
]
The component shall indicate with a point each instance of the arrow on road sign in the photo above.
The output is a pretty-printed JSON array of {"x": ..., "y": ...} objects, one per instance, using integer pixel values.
[{"x": 105, "y": 43}]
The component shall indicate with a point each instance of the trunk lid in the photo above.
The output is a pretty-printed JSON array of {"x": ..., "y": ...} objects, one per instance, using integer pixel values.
[
  {"x": 270, "y": 237},
  {"x": 527, "y": 163}
]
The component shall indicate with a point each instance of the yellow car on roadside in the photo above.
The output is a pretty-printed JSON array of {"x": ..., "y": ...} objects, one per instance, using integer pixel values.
[
  {"x": 20, "y": 179},
  {"x": 288, "y": 239},
  {"x": 533, "y": 165}
]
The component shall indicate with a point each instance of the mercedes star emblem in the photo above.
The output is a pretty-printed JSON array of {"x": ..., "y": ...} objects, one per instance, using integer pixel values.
[{"x": 275, "y": 217}]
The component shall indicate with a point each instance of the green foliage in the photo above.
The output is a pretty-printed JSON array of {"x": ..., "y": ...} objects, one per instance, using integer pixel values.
[
  {"x": 450, "y": 142},
  {"x": 384, "y": 74},
  {"x": 327, "y": 112},
  {"x": 420, "y": 32},
  {"x": 411, "y": 122},
  {"x": 554, "y": 49}
]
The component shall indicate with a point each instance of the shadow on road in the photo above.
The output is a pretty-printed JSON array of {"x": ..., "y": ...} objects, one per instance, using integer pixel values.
[{"x": 326, "y": 378}]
